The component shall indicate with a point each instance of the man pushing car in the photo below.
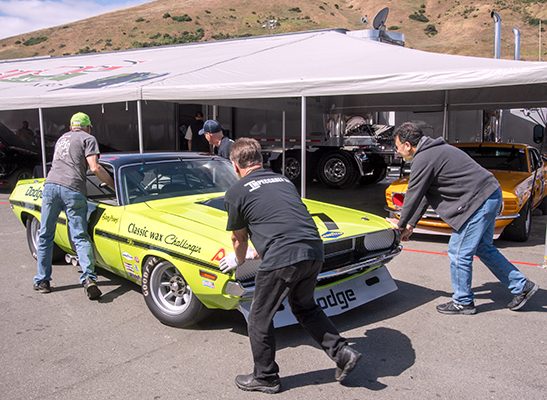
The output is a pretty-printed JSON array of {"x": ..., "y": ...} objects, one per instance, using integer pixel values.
[
  {"x": 467, "y": 197},
  {"x": 266, "y": 208}
]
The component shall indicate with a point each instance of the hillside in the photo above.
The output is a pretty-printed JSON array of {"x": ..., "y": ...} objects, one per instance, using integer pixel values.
[{"x": 454, "y": 26}]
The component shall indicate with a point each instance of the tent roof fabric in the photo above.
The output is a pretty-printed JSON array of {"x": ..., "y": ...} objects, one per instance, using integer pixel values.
[{"x": 327, "y": 63}]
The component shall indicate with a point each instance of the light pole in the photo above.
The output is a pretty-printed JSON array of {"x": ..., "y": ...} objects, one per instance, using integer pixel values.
[{"x": 270, "y": 23}]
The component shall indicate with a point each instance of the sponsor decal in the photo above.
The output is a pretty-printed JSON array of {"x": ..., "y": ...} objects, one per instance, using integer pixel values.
[
  {"x": 127, "y": 256},
  {"x": 340, "y": 299},
  {"x": 331, "y": 234},
  {"x": 130, "y": 268},
  {"x": 219, "y": 256},
  {"x": 132, "y": 275},
  {"x": 170, "y": 239},
  {"x": 208, "y": 284},
  {"x": 34, "y": 193}
]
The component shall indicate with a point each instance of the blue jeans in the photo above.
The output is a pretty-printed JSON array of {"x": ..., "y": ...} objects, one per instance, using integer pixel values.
[
  {"x": 476, "y": 237},
  {"x": 54, "y": 199}
]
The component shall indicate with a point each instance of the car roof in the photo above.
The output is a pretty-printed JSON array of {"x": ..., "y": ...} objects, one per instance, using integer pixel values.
[
  {"x": 119, "y": 159},
  {"x": 492, "y": 144}
]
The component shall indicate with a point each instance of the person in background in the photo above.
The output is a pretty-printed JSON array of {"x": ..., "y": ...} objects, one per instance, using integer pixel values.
[
  {"x": 214, "y": 135},
  {"x": 25, "y": 133},
  {"x": 266, "y": 208},
  {"x": 467, "y": 197},
  {"x": 197, "y": 142},
  {"x": 65, "y": 189}
]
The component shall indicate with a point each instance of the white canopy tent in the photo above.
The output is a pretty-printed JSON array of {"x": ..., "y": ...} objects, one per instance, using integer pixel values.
[{"x": 342, "y": 69}]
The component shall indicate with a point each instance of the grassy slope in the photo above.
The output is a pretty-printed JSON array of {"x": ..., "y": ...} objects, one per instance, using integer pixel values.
[{"x": 464, "y": 27}]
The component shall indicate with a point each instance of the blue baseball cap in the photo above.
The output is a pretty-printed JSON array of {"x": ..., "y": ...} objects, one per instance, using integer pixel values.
[{"x": 211, "y": 126}]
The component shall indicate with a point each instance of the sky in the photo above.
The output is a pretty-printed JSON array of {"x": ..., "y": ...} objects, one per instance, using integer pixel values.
[{"x": 22, "y": 16}]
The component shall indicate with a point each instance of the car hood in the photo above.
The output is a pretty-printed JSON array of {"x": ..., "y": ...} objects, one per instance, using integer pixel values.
[{"x": 332, "y": 221}]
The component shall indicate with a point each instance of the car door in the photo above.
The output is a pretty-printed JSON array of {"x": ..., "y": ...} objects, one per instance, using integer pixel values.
[{"x": 537, "y": 168}]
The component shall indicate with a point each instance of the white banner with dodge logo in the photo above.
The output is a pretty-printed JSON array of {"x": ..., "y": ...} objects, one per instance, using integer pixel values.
[{"x": 339, "y": 298}]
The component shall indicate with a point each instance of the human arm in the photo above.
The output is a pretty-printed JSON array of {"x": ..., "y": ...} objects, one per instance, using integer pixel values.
[
  {"x": 405, "y": 232},
  {"x": 98, "y": 170}
]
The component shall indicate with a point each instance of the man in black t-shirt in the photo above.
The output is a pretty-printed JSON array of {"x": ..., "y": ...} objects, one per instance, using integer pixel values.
[
  {"x": 266, "y": 208},
  {"x": 197, "y": 142}
]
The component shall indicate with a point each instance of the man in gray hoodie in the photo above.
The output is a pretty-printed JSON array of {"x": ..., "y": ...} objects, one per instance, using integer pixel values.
[{"x": 467, "y": 197}]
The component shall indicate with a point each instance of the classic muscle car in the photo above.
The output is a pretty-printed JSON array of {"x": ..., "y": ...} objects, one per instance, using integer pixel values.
[
  {"x": 521, "y": 171},
  {"x": 164, "y": 228}
]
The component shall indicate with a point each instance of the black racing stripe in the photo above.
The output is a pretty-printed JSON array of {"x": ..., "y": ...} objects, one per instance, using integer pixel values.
[
  {"x": 28, "y": 206},
  {"x": 329, "y": 223},
  {"x": 147, "y": 246}
]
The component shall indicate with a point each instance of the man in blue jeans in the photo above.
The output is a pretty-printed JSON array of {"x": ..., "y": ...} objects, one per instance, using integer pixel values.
[
  {"x": 65, "y": 189},
  {"x": 467, "y": 197}
]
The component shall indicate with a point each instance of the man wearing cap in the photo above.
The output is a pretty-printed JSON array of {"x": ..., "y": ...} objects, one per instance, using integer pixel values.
[
  {"x": 214, "y": 135},
  {"x": 197, "y": 142},
  {"x": 65, "y": 189}
]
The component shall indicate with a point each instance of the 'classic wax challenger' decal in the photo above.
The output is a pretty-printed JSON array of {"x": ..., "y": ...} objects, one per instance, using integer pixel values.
[{"x": 170, "y": 239}]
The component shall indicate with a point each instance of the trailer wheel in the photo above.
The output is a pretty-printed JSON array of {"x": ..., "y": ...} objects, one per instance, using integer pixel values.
[
  {"x": 337, "y": 170},
  {"x": 378, "y": 174}
]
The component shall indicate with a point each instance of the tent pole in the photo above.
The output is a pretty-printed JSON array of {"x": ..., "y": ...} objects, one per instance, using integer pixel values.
[
  {"x": 445, "y": 116},
  {"x": 139, "y": 117},
  {"x": 303, "y": 153},
  {"x": 42, "y": 142},
  {"x": 283, "y": 132}
]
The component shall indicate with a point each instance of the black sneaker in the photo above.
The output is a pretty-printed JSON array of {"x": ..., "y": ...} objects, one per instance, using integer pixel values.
[
  {"x": 348, "y": 360},
  {"x": 91, "y": 289},
  {"x": 42, "y": 287},
  {"x": 455, "y": 308},
  {"x": 530, "y": 288},
  {"x": 249, "y": 383}
]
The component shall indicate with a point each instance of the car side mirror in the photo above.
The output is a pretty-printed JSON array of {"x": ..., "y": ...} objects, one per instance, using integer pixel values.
[{"x": 538, "y": 133}]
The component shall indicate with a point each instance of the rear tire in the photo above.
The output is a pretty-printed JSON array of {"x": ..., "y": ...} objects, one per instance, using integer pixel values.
[
  {"x": 33, "y": 231},
  {"x": 168, "y": 296},
  {"x": 519, "y": 229},
  {"x": 21, "y": 173},
  {"x": 337, "y": 170}
]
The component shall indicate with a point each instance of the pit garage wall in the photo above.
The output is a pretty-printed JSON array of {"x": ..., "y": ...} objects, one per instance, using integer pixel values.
[
  {"x": 463, "y": 126},
  {"x": 115, "y": 125}
]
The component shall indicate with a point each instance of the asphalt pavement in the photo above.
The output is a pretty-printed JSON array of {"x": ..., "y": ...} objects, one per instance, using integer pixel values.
[{"x": 62, "y": 346}]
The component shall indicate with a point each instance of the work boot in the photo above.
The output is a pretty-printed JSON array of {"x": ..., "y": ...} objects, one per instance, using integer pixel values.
[
  {"x": 249, "y": 383},
  {"x": 91, "y": 289},
  {"x": 42, "y": 287}
]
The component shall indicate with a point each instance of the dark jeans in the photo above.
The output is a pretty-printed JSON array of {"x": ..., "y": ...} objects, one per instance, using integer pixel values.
[{"x": 271, "y": 288}]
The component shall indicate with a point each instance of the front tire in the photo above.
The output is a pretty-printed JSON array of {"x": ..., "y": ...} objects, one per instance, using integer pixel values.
[
  {"x": 168, "y": 296},
  {"x": 33, "y": 231},
  {"x": 519, "y": 229}
]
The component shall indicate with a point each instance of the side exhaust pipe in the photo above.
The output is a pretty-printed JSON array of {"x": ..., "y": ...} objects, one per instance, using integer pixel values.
[{"x": 497, "y": 34}]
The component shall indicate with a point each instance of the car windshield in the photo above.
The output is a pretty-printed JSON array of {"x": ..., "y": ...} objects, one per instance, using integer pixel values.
[
  {"x": 160, "y": 180},
  {"x": 499, "y": 158}
]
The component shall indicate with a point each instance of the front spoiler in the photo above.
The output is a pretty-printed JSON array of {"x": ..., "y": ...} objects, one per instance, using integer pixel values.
[
  {"x": 339, "y": 298},
  {"x": 246, "y": 292}
]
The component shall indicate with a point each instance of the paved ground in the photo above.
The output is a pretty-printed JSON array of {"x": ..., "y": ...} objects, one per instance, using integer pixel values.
[{"x": 63, "y": 346}]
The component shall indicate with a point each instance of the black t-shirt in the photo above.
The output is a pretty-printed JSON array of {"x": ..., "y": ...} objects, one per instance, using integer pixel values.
[
  {"x": 199, "y": 143},
  {"x": 280, "y": 227}
]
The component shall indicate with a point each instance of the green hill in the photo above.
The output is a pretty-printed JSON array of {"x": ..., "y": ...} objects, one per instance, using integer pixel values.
[{"x": 446, "y": 26}]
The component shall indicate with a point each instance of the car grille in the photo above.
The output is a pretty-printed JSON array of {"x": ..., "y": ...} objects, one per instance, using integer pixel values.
[{"x": 339, "y": 253}]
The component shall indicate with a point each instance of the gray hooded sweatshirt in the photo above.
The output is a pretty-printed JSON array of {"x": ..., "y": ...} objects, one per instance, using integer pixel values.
[{"x": 449, "y": 180}]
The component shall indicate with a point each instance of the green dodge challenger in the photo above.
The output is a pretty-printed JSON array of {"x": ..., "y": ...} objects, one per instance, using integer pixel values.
[{"x": 164, "y": 228}]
